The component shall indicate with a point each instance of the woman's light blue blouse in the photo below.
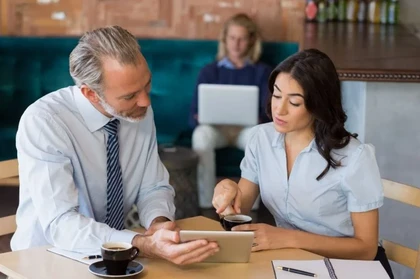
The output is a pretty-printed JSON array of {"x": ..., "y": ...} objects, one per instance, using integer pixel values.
[{"x": 302, "y": 202}]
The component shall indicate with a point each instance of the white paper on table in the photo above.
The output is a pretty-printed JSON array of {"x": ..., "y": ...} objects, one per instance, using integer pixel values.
[{"x": 75, "y": 256}]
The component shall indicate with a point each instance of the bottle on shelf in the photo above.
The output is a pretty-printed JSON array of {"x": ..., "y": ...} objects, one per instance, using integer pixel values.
[
  {"x": 332, "y": 10},
  {"x": 311, "y": 10},
  {"x": 393, "y": 11},
  {"x": 322, "y": 11},
  {"x": 362, "y": 11},
  {"x": 342, "y": 10},
  {"x": 352, "y": 10},
  {"x": 384, "y": 12},
  {"x": 374, "y": 11}
]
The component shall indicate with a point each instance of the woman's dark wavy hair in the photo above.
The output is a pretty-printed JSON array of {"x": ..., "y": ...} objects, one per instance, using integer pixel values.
[{"x": 317, "y": 75}]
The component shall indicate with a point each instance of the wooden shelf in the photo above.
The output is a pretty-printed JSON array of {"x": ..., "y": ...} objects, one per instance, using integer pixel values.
[{"x": 367, "y": 52}]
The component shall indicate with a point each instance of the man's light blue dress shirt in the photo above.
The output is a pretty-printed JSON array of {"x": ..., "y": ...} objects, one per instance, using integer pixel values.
[
  {"x": 302, "y": 202},
  {"x": 225, "y": 62},
  {"x": 61, "y": 143}
]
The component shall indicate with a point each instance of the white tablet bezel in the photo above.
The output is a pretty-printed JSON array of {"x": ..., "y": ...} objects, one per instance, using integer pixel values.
[{"x": 235, "y": 247}]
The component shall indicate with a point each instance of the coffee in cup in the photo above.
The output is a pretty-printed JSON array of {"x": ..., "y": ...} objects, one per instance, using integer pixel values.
[
  {"x": 117, "y": 255},
  {"x": 230, "y": 221}
]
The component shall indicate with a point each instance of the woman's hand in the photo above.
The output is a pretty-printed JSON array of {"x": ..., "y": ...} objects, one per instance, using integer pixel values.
[
  {"x": 227, "y": 197},
  {"x": 266, "y": 237}
]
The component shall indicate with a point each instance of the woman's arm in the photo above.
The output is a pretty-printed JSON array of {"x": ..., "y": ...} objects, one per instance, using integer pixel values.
[
  {"x": 363, "y": 246},
  {"x": 250, "y": 192}
]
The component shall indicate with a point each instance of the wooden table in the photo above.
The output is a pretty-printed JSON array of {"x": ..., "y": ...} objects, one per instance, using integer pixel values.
[{"x": 38, "y": 263}]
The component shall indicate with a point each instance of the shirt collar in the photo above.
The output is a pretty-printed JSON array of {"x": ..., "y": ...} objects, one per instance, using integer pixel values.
[
  {"x": 225, "y": 62},
  {"x": 278, "y": 141},
  {"x": 94, "y": 119}
]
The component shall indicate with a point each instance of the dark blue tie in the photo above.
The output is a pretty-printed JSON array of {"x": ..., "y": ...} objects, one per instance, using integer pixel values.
[{"x": 115, "y": 196}]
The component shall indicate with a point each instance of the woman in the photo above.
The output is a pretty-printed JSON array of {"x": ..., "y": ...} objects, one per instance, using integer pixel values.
[
  {"x": 237, "y": 63},
  {"x": 320, "y": 183}
]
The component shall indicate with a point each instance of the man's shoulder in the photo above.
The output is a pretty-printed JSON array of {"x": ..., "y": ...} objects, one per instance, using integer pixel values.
[{"x": 52, "y": 103}]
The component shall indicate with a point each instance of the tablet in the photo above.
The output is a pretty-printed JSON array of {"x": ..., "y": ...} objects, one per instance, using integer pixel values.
[{"x": 235, "y": 247}]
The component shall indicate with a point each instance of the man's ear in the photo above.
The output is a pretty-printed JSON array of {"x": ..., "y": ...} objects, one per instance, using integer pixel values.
[{"x": 89, "y": 94}]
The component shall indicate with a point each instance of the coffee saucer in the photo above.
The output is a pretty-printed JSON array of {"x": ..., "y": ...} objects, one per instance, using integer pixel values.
[{"x": 99, "y": 269}]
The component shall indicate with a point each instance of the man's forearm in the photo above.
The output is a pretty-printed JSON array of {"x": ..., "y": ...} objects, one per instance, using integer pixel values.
[{"x": 156, "y": 203}]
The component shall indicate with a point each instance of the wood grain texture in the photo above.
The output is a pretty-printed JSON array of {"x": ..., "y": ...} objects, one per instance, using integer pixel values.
[
  {"x": 401, "y": 192},
  {"x": 279, "y": 20},
  {"x": 417, "y": 269},
  {"x": 7, "y": 225},
  {"x": 8, "y": 169},
  {"x": 403, "y": 255},
  {"x": 368, "y": 52},
  {"x": 46, "y": 17},
  {"x": 3, "y": 17},
  {"x": 400, "y": 254},
  {"x": 39, "y": 263}
]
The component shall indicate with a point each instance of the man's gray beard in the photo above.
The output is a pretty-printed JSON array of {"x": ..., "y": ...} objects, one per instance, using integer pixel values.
[{"x": 109, "y": 109}]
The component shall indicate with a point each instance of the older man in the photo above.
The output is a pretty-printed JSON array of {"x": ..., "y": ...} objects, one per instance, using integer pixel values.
[{"x": 88, "y": 152}]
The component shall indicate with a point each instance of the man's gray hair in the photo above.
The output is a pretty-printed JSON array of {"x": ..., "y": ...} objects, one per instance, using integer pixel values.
[{"x": 108, "y": 42}]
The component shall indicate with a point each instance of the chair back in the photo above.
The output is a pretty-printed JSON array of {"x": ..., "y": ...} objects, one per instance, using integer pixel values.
[
  {"x": 8, "y": 170},
  {"x": 398, "y": 253}
]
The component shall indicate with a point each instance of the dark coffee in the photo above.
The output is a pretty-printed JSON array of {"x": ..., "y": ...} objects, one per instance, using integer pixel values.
[
  {"x": 117, "y": 257},
  {"x": 236, "y": 220},
  {"x": 117, "y": 248},
  {"x": 230, "y": 221}
]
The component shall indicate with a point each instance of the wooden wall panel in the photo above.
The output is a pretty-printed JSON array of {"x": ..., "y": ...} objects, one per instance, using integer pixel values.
[
  {"x": 279, "y": 20},
  {"x": 46, "y": 17},
  {"x": 144, "y": 18},
  {"x": 3, "y": 17},
  {"x": 206, "y": 17}
]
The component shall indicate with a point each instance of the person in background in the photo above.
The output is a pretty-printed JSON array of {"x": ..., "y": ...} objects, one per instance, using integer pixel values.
[
  {"x": 237, "y": 63},
  {"x": 87, "y": 153},
  {"x": 321, "y": 184}
]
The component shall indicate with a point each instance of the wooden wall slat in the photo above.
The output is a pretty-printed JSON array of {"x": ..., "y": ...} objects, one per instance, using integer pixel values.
[{"x": 279, "y": 20}]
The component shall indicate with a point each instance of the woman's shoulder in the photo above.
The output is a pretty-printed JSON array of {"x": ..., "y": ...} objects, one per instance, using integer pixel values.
[
  {"x": 355, "y": 150},
  {"x": 263, "y": 133}
]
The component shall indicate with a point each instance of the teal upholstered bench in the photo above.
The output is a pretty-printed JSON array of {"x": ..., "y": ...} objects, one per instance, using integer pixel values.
[{"x": 31, "y": 67}]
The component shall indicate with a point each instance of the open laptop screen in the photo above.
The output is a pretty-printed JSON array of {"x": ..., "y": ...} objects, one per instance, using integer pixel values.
[{"x": 221, "y": 104}]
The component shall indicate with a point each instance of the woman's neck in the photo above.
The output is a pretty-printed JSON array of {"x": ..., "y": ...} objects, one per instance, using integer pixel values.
[{"x": 299, "y": 139}]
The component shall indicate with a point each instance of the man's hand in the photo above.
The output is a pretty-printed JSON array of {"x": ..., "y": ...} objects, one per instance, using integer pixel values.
[
  {"x": 161, "y": 223},
  {"x": 166, "y": 244}
]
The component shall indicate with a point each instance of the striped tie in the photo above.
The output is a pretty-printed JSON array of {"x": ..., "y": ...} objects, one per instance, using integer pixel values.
[{"x": 114, "y": 191}]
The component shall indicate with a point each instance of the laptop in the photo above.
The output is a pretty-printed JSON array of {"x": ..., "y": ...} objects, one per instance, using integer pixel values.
[{"x": 221, "y": 104}]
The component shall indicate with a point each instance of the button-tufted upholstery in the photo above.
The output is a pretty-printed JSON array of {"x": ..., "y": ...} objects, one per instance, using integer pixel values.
[{"x": 31, "y": 67}]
